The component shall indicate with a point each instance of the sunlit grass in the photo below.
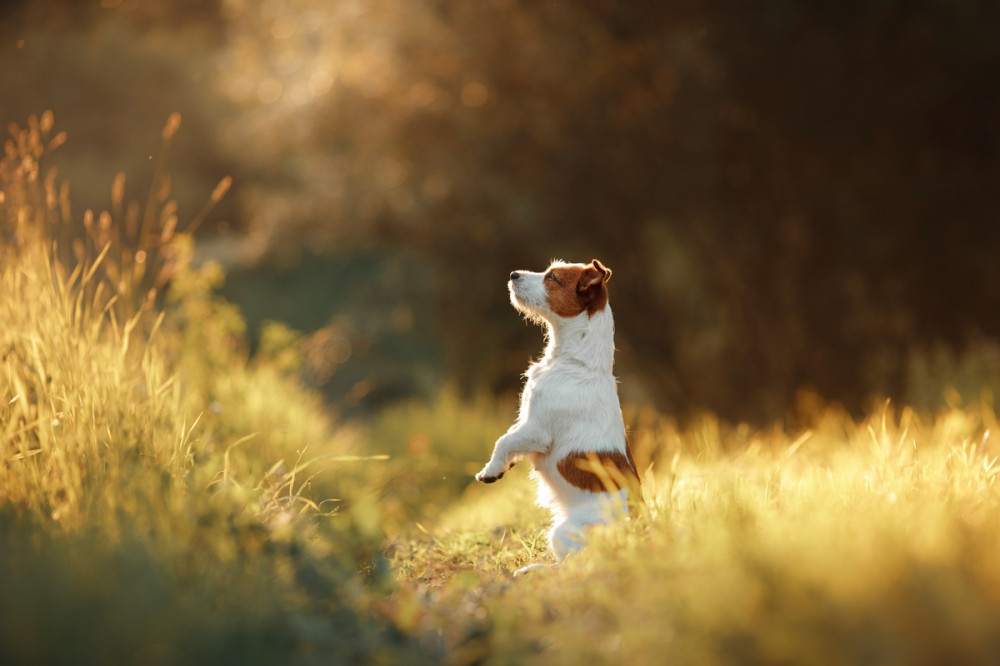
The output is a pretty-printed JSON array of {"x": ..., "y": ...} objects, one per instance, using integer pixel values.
[
  {"x": 435, "y": 448},
  {"x": 165, "y": 497},
  {"x": 850, "y": 542},
  {"x": 156, "y": 499}
]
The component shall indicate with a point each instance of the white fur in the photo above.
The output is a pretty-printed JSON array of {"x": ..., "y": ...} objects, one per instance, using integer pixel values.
[{"x": 569, "y": 404}]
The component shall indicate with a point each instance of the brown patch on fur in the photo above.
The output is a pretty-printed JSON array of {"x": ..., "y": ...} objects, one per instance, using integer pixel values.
[
  {"x": 600, "y": 471},
  {"x": 577, "y": 288}
]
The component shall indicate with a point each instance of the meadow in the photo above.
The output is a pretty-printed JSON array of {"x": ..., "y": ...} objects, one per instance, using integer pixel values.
[{"x": 167, "y": 497}]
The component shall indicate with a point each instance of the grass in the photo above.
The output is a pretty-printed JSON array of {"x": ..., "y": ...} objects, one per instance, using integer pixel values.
[
  {"x": 852, "y": 542},
  {"x": 156, "y": 484},
  {"x": 165, "y": 497}
]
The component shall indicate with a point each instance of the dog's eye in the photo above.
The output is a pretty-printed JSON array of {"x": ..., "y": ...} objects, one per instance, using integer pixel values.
[{"x": 551, "y": 276}]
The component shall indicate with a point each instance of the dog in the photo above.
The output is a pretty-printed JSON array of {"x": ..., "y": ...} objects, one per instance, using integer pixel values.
[{"x": 570, "y": 420}]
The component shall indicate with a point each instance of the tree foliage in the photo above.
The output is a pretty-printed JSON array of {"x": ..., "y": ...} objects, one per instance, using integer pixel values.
[{"x": 790, "y": 194}]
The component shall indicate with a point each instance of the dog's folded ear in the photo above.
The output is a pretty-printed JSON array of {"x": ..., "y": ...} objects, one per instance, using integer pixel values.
[
  {"x": 597, "y": 265},
  {"x": 595, "y": 274}
]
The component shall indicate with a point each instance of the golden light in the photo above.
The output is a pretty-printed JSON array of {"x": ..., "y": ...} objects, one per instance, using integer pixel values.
[{"x": 474, "y": 94}]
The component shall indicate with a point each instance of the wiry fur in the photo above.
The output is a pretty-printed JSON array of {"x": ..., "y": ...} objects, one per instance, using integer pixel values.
[{"x": 569, "y": 405}]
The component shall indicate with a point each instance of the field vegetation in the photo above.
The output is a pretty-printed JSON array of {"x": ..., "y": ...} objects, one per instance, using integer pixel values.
[
  {"x": 167, "y": 497},
  {"x": 156, "y": 503}
]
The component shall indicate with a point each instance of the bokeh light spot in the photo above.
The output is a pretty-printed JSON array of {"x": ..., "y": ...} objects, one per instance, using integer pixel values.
[
  {"x": 422, "y": 94},
  {"x": 474, "y": 94},
  {"x": 269, "y": 90},
  {"x": 284, "y": 28},
  {"x": 320, "y": 83}
]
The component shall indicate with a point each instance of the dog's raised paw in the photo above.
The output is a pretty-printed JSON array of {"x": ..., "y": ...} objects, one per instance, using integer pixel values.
[{"x": 489, "y": 479}]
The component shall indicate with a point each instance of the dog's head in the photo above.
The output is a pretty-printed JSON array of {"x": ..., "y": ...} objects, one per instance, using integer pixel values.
[{"x": 561, "y": 291}]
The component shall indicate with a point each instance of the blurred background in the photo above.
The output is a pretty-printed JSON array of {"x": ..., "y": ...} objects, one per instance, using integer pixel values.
[{"x": 795, "y": 198}]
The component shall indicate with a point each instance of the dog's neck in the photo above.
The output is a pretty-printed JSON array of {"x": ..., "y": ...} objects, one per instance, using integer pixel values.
[{"x": 586, "y": 339}]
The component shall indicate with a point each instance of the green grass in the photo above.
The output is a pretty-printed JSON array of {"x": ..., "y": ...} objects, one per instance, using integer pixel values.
[{"x": 165, "y": 497}]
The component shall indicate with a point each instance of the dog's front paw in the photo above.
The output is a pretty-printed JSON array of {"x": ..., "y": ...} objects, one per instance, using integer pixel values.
[
  {"x": 490, "y": 474},
  {"x": 488, "y": 478}
]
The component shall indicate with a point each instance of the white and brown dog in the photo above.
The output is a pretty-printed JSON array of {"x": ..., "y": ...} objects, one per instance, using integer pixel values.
[{"x": 570, "y": 422}]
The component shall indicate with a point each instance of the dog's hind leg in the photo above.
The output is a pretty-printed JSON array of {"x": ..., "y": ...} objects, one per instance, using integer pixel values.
[{"x": 566, "y": 538}]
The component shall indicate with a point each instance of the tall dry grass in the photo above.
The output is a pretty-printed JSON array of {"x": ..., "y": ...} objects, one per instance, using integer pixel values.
[
  {"x": 839, "y": 541},
  {"x": 156, "y": 484},
  {"x": 167, "y": 498}
]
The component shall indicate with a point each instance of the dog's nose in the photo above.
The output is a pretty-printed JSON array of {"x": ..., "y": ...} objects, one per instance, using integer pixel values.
[{"x": 515, "y": 276}]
